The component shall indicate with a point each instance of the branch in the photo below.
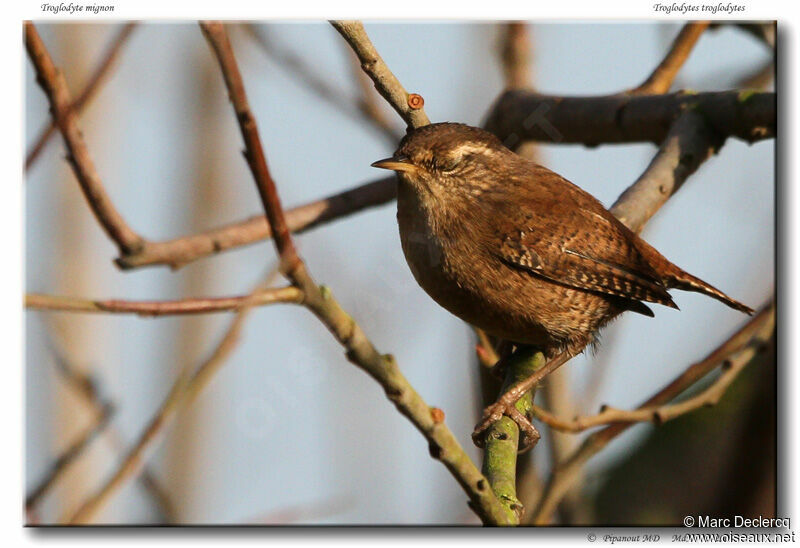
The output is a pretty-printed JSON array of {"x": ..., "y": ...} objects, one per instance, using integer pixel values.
[
  {"x": 96, "y": 79},
  {"x": 664, "y": 74},
  {"x": 55, "y": 87},
  {"x": 656, "y": 414},
  {"x": 368, "y": 104},
  {"x": 298, "y": 68},
  {"x": 163, "y": 308},
  {"x": 520, "y": 115},
  {"x": 688, "y": 144},
  {"x": 516, "y": 56},
  {"x": 254, "y": 152},
  {"x": 745, "y": 341},
  {"x": 70, "y": 455},
  {"x": 181, "y": 251},
  {"x": 359, "y": 350},
  {"x": 385, "y": 81},
  {"x": 502, "y": 438},
  {"x": 86, "y": 386},
  {"x": 183, "y": 392}
]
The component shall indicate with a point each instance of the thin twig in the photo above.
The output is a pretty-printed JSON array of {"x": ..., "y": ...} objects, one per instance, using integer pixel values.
[
  {"x": 70, "y": 455},
  {"x": 664, "y": 74},
  {"x": 516, "y": 56},
  {"x": 655, "y": 414},
  {"x": 558, "y": 396},
  {"x": 162, "y": 308},
  {"x": 90, "y": 390},
  {"x": 484, "y": 349},
  {"x": 297, "y": 67},
  {"x": 97, "y": 78},
  {"x": 385, "y": 81},
  {"x": 183, "y": 392},
  {"x": 752, "y": 335},
  {"x": 55, "y": 87},
  {"x": 759, "y": 78},
  {"x": 359, "y": 350}
]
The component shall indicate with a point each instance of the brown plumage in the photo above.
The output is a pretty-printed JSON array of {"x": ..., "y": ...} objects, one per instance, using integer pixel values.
[{"x": 517, "y": 250}]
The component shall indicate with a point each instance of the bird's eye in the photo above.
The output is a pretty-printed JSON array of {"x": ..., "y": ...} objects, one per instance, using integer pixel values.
[{"x": 449, "y": 164}]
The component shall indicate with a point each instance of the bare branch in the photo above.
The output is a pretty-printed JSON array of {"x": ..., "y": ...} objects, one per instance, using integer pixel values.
[
  {"x": 55, "y": 87},
  {"x": 70, "y": 455},
  {"x": 162, "y": 308},
  {"x": 516, "y": 56},
  {"x": 183, "y": 392},
  {"x": 186, "y": 249},
  {"x": 254, "y": 152},
  {"x": 759, "y": 78},
  {"x": 688, "y": 144},
  {"x": 664, "y": 74},
  {"x": 98, "y": 77},
  {"x": 385, "y": 81},
  {"x": 298, "y": 68},
  {"x": 656, "y": 414},
  {"x": 368, "y": 102},
  {"x": 520, "y": 115},
  {"x": 752, "y": 335},
  {"x": 86, "y": 386},
  {"x": 320, "y": 301}
]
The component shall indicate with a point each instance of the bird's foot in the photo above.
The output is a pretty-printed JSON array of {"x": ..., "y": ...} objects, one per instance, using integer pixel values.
[{"x": 528, "y": 435}]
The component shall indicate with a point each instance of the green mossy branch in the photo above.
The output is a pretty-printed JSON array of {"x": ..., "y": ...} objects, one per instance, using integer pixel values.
[{"x": 502, "y": 438}]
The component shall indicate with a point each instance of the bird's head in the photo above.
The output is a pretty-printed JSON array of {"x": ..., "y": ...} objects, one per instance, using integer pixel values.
[{"x": 447, "y": 157}]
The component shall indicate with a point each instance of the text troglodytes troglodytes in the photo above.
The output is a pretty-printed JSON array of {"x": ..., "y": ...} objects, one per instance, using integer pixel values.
[{"x": 517, "y": 250}]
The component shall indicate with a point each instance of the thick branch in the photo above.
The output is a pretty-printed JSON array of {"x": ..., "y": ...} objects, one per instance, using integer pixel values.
[
  {"x": 753, "y": 334},
  {"x": 162, "y": 308},
  {"x": 320, "y": 301},
  {"x": 664, "y": 74},
  {"x": 55, "y": 87},
  {"x": 520, "y": 115},
  {"x": 688, "y": 144},
  {"x": 385, "y": 81},
  {"x": 97, "y": 78},
  {"x": 502, "y": 438}
]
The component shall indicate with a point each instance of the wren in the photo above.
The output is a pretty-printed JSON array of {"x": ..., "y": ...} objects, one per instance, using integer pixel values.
[{"x": 515, "y": 249}]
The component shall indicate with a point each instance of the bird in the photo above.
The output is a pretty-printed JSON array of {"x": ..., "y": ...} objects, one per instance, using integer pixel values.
[{"x": 517, "y": 250}]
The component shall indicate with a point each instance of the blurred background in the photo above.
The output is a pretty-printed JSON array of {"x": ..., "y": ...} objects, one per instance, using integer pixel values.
[{"x": 289, "y": 431}]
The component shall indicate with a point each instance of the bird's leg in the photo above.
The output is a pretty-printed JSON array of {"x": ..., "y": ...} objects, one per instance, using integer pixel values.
[{"x": 505, "y": 404}]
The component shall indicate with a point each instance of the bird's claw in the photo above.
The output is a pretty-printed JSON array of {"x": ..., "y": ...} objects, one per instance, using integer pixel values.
[{"x": 529, "y": 436}]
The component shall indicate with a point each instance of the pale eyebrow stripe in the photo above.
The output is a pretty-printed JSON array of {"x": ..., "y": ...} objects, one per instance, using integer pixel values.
[{"x": 471, "y": 147}]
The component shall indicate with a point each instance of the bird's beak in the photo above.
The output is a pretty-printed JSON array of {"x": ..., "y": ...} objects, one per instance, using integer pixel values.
[{"x": 395, "y": 163}]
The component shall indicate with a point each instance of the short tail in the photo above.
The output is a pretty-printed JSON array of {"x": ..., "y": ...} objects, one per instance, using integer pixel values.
[{"x": 683, "y": 280}]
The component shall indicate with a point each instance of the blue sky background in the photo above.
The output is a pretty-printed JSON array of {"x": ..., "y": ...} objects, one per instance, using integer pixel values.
[{"x": 288, "y": 421}]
